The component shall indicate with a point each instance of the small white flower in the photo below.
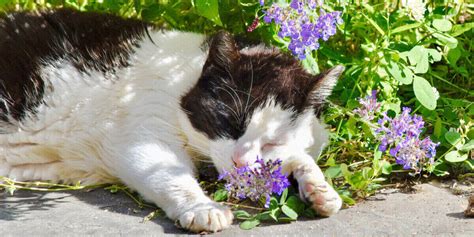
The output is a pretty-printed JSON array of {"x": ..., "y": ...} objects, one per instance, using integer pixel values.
[{"x": 416, "y": 8}]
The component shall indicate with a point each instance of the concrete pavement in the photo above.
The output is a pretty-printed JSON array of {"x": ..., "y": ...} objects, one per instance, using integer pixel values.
[{"x": 431, "y": 211}]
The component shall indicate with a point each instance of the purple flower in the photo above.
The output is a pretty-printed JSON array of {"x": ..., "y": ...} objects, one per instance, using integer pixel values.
[
  {"x": 304, "y": 28},
  {"x": 402, "y": 134},
  {"x": 368, "y": 107},
  {"x": 256, "y": 181}
]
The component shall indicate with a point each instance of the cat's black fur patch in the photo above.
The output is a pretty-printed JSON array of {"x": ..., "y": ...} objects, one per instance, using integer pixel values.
[
  {"x": 234, "y": 83},
  {"x": 90, "y": 41}
]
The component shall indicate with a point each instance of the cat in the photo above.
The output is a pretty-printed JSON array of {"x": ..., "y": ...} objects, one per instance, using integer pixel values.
[{"x": 97, "y": 98}]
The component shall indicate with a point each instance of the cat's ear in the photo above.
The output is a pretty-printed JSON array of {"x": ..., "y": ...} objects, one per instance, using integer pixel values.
[
  {"x": 323, "y": 85},
  {"x": 223, "y": 51}
]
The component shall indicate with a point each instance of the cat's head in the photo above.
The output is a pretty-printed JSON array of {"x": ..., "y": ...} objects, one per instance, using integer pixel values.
[{"x": 254, "y": 102}]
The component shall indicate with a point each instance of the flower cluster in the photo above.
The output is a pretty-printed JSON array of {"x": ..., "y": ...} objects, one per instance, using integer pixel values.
[
  {"x": 256, "y": 181},
  {"x": 368, "y": 107},
  {"x": 401, "y": 135},
  {"x": 416, "y": 8},
  {"x": 300, "y": 22}
]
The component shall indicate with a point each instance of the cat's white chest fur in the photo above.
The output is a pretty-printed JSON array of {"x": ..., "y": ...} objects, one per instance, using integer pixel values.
[{"x": 86, "y": 114}]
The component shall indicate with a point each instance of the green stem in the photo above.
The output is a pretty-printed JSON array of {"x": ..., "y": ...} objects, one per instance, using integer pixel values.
[{"x": 448, "y": 82}]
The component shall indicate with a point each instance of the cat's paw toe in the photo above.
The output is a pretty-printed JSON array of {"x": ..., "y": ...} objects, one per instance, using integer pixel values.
[
  {"x": 324, "y": 199},
  {"x": 206, "y": 217}
]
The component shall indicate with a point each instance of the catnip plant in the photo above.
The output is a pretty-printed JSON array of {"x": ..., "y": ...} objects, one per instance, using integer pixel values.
[
  {"x": 400, "y": 135},
  {"x": 256, "y": 181},
  {"x": 303, "y": 22}
]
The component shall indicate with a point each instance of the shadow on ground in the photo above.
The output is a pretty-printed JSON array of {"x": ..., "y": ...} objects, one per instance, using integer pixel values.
[
  {"x": 85, "y": 212},
  {"x": 24, "y": 202}
]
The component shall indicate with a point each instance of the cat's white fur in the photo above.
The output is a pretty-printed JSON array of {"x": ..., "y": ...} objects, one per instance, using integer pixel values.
[{"x": 130, "y": 129}]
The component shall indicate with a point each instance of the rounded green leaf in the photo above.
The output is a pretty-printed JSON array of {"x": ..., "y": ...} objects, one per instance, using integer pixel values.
[
  {"x": 386, "y": 167},
  {"x": 333, "y": 172},
  {"x": 249, "y": 224},
  {"x": 468, "y": 146},
  {"x": 442, "y": 24},
  {"x": 241, "y": 214},
  {"x": 220, "y": 195},
  {"x": 209, "y": 9},
  {"x": 401, "y": 73},
  {"x": 424, "y": 92},
  {"x": 452, "y": 137},
  {"x": 289, "y": 212},
  {"x": 295, "y": 203},
  {"x": 455, "y": 156}
]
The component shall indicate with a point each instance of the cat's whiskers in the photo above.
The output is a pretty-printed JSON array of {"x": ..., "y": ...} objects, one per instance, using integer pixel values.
[
  {"x": 246, "y": 109},
  {"x": 233, "y": 89},
  {"x": 240, "y": 106},
  {"x": 233, "y": 98}
]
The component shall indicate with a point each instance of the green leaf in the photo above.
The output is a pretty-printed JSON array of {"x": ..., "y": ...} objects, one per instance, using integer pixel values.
[
  {"x": 209, "y": 9},
  {"x": 283, "y": 196},
  {"x": 374, "y": 24},
  {"x": 241, "y": 214},
  {"x": 424, "y": 93},
  {"x": 468, "y": 146},
  {"x": 470, "y": 163},
  {"x": 369, "y": 8},
  {"x": 295, "y": 203},
  {"x": 460, "y": 29},
  {"x": 309, "y": 212},
  {"x": 433, "y": 55},
  {"x": 453, "y": 56},
  {"x": 333, "y": 172},
  {"x": 455, "y": 156},
  {"x": 406, "y": 27},
  {"x": 264, "y": 216},
  {"x": 289, "y": 212},
  {"x": 152, "y": 12},
  {"x": 442, "y": 25},
  {"x": 441, "y": 169},
  {"x": 401, "y": 73},
  {"x": 310, "y": 64},
  {"x": 220, "y": 195},
  {"x": 273, "y": 203},
  {"x": 419, "y": 57},
  {"x": 386, "y": 167},
  {"x": 275, "y": 213},
  {"x": 348, "y": 200},
  {"x": 249, "y": 224},
  {"x": 452, "y": 137},
  {"x": 448, "y": 40}
]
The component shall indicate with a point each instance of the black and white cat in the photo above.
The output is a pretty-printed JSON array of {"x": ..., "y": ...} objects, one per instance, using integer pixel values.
[{"x": 95, "y": 98}]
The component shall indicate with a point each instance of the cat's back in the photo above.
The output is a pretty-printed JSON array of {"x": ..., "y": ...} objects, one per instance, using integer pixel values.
[
  {"x": 31, "y": 41},
  {"x": 72, "y": 84}
]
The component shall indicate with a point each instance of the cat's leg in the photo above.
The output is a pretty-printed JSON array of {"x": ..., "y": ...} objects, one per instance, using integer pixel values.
[
  {"x": 164, "y": 175},
  {"x": 312, "y": 185}
]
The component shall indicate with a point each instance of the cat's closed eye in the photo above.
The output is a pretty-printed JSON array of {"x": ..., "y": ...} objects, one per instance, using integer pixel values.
[{"x": 270, "y": 145}]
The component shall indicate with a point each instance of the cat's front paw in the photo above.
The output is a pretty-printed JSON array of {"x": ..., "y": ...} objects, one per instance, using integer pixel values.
[
  {"x": 324, "y": 199},
  {"x": 206, "y": 217}
]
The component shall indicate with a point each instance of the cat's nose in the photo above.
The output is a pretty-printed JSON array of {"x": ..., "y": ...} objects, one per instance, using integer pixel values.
[{"x": 238, "y": 158}]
